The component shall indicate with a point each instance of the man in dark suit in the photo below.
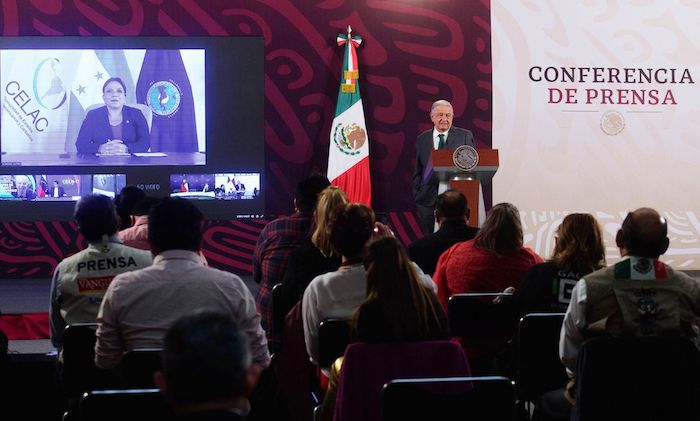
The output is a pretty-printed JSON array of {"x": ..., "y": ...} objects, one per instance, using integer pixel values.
[
  {"x": 452, "y": 214},
  {"x": 57, "y": 190},
  {"x": 442, "y": 136}
]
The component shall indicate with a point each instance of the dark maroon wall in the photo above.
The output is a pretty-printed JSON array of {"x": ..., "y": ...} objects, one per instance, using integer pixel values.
[{"x": 413, "y": 53}]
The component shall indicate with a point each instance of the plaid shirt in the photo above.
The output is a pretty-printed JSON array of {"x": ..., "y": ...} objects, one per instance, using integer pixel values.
[{"x": 276, "y": 242}]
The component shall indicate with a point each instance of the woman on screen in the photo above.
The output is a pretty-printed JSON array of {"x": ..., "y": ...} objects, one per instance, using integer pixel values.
[{"x": 115, "y": 128}]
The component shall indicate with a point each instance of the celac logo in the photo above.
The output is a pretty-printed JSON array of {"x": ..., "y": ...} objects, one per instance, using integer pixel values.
[
  {"x": 349, "y": 138},
  {"x": 164, "y": 97},
  {"x": 49, "y": 91}
]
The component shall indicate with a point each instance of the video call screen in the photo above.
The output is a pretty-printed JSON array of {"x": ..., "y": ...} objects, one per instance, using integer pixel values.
[
  {"x": 59, "y": 187},
  {"x": 97, "y": 108},
  {"x": 73, "y": 102},
  {"x": 228, "y": 186}
]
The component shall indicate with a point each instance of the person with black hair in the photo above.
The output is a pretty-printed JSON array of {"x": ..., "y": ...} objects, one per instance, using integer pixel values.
[
  {"x": 80, "y": 281},
  {"x": 140, "y": 306},
  {"x": 137, "y": 234},
  {"x": 452, "y": 215},
  {"x": 57, "y": 190},
  {"x": 125, "y": 201},
  {"x": 279, "y": 238},
  {"x": 206, "y": 368}
]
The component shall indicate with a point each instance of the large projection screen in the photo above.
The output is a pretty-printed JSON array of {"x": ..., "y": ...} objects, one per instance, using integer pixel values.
[{"x": 596, "y": 108}]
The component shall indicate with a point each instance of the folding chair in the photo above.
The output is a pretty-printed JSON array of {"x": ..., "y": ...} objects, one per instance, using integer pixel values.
[
  {"x": 138, "y": 366},
  {"x": 78, "y": 353},
  {"x": 278, "y": 312},
  {"x": 475, "y": 315},
  {"x": 334, "y": 335},
  {"x": 537, "y": 363},
  {"x": 489, "y": 398},
  {"x": 638, "y": 378},
  {"x": 485, "y": 330},
  {"x": 126, "y": 404}
]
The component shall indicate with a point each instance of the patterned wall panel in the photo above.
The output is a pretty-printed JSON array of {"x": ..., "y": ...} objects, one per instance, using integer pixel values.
[{"x": 33, "y": 249}]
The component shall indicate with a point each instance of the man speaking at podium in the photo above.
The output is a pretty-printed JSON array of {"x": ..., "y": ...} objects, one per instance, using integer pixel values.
[{"x": 425, "y": 181}]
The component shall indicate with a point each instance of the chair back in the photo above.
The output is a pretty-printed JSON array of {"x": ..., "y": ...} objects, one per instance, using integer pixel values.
[
  {"x": 474, "y": 398},
  {"x": 367, "y": 367},
  {"x": 126, "y": 404},
  {"x": 147, "y": 113},
  {"x": 334, "y": 335},
  {"x": 538, "y": 367},
  {"x": 138, "y": 366},
  {"x": 278, "y": 310},
  {"x": 638, "y": 378},
  {"x": 78, "y": 354},
  {"x": 474, "y": 315}
]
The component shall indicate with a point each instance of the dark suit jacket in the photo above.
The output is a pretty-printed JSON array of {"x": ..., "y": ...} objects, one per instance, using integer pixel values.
[
  {"x": 29, "y": 195},
  {"x": 425, "y": 183},
  {"x": 427, "y": 250},
  {"x": 61, "y": 191},
  {"x": 96, "y": 130}
]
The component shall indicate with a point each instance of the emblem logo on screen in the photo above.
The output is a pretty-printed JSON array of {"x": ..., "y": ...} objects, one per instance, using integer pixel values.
[
  {"x": 164, "y": 98},
  {"x": 349, "y": 138},
  {"x": 48, "y": 85},
  {"x": 465, "y": 158}
]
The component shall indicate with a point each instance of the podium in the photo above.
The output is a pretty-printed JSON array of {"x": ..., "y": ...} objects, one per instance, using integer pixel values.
[{"x": 469, "y": 182}]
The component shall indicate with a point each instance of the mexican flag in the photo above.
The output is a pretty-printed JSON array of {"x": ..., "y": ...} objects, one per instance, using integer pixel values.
[{"x": 348, "y": 153}]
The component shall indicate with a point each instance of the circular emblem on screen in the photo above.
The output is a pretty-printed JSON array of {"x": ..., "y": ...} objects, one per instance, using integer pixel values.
[
  {"x": 49, "y": 90},
  {"x": 612, "y": 123},
  {"x": 349, "y": 138},
  {"x": 465, "y": 157},
  {"x": 164, "y": 98}
]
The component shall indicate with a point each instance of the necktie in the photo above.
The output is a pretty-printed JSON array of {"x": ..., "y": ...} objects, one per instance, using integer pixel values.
[{"x": 441, "y": 142}]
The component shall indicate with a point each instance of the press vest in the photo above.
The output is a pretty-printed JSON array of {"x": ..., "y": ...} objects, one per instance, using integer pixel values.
[
  {"x": 640, "y": 297},
  {"x": 85, "y": 276}
]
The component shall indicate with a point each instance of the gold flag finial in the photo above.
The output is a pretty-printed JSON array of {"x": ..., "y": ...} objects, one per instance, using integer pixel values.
[{"x": 349, "y": 32}]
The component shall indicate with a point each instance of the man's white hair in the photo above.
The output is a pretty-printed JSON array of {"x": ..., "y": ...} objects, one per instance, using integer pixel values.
[{"x": 438, "y": 103}]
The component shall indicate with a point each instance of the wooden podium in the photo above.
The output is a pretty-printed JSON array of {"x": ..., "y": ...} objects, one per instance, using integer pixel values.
[{"x": 468, "y": 182}]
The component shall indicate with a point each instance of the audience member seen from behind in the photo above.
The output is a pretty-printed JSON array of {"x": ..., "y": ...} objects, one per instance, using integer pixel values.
[
  {"x": 140, "y": 306},
  {"x": 338, "y": 294},
  {"x": 670, "y": 303},
  {"x": 279, "y": 238},
  {"x": 80, "y": 281},
  {"x": 115, "y": 128},
  {"x": 125, "y": 201},
  {"x": 398, "y": 308},
  {"x": 494, "y": 260},
  {"x": 452, "y": 215},
  {"x": 207, "y": 368},
  {"x": 578, "y": 251},
  {"x": 137, "y": 234},
  {"x": 314, "y": 257}
]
